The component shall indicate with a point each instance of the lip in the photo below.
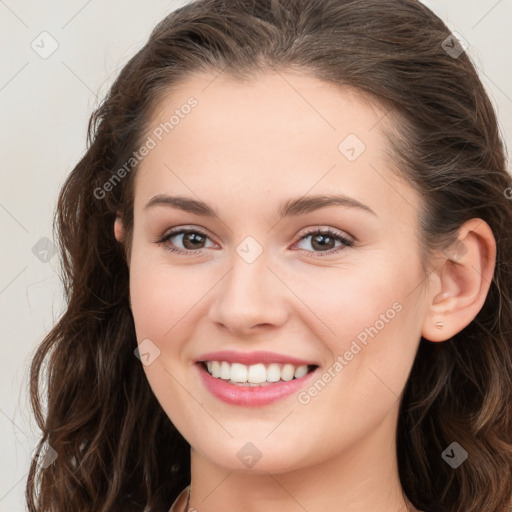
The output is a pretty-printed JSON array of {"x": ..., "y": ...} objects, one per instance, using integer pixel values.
[
  {"x": 249, "y": 358},
  {"x": 251, "y": 396}
]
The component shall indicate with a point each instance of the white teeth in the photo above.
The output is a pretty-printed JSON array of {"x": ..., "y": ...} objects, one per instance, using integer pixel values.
[
  {"x": 238, "y": 372},
  {"x": 215, "y": 369},
  {"x": 273, "y": 372},
  {"x": 300, "y": 371},
  {"x": 255, "y": 374},
  {"x": 287, "y": 372},
  {"x": 225, "y": 370}
]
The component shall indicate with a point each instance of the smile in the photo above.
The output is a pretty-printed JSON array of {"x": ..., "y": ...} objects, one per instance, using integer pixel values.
[
  {"x": 252, "y": 394},
  {"x": 256, "y": 374}
]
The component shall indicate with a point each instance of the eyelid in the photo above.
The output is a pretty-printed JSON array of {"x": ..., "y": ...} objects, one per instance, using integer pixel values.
[
  {"x": 324, "y": 228},
  {"x": 347, "y": 239},
  {"x": 303, "y": 233},
  {"x": 180, "y": 230}
]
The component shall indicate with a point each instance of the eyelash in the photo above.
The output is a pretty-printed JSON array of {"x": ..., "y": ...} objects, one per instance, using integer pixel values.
[{"x": 347, "y": 242}]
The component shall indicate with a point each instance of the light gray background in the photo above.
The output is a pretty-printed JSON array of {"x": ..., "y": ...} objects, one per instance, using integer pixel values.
[{"x": 45, "y": 105}]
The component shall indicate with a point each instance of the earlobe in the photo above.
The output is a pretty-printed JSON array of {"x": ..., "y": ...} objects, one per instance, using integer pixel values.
[{"x": 461, "y": 282}]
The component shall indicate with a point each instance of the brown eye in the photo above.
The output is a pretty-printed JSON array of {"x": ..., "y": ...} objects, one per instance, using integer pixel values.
[
  {"x": 324, "y": 241},
  {"x": 192, "y": 241}
]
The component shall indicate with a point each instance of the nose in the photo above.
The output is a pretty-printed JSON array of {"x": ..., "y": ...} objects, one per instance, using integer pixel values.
[{"x": 250, "y": 296}]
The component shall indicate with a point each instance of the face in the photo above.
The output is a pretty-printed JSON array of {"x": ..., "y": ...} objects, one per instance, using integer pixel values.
[{"x": 338, "y": 286}]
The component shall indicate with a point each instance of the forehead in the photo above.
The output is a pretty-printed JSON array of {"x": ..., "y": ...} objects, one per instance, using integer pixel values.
[
  {"x": 275, "y": 136},
  {"x": 295, "y": 106}
]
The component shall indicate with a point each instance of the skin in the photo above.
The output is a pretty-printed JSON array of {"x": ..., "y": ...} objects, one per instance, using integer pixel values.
[{"x": 246, "y": 148}]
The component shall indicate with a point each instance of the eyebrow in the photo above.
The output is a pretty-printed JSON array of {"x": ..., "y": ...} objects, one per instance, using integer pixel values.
[{"x": 292, "y": 207}]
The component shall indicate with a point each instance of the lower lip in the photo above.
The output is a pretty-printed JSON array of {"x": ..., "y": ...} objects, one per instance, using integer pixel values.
[{"x": 251, "y": 396}]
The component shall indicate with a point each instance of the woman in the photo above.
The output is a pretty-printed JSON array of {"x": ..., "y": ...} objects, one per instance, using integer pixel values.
[{"x": 287, "y": 263}]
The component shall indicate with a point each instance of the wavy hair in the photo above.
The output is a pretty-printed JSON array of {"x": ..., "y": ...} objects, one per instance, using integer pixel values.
[{"x": 117, "y": 449}]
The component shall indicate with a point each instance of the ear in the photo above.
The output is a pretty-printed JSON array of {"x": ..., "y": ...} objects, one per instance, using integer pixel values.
[
  {"x": 119, "y": 233},
  {"x": 118, "y": 228},
  {"x": 459, "y": 285}
]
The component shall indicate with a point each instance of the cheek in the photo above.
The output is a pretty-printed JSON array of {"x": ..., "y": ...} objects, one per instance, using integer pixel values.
[
  {"x": 162, "y": 307},
  {"x": 151, "y": 306},
  {"x": 160, "y": 294},
  {"x": 349, "y": 300},
  {"x": 369, "y": 322}
]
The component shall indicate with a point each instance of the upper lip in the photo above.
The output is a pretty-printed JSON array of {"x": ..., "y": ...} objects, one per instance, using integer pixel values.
[{"x": 249, "y": 358}]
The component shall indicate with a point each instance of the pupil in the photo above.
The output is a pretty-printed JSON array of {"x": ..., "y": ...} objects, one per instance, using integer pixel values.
[
  {"x": 191, "y": 237},
  {"x": 322, "y": 244}
]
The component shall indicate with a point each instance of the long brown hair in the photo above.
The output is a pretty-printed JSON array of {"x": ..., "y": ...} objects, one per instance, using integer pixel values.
[{"x": 116, "y": 448}]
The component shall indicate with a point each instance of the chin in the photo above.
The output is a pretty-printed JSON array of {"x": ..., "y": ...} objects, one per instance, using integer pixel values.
[{"x": 258, "y": 457}]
